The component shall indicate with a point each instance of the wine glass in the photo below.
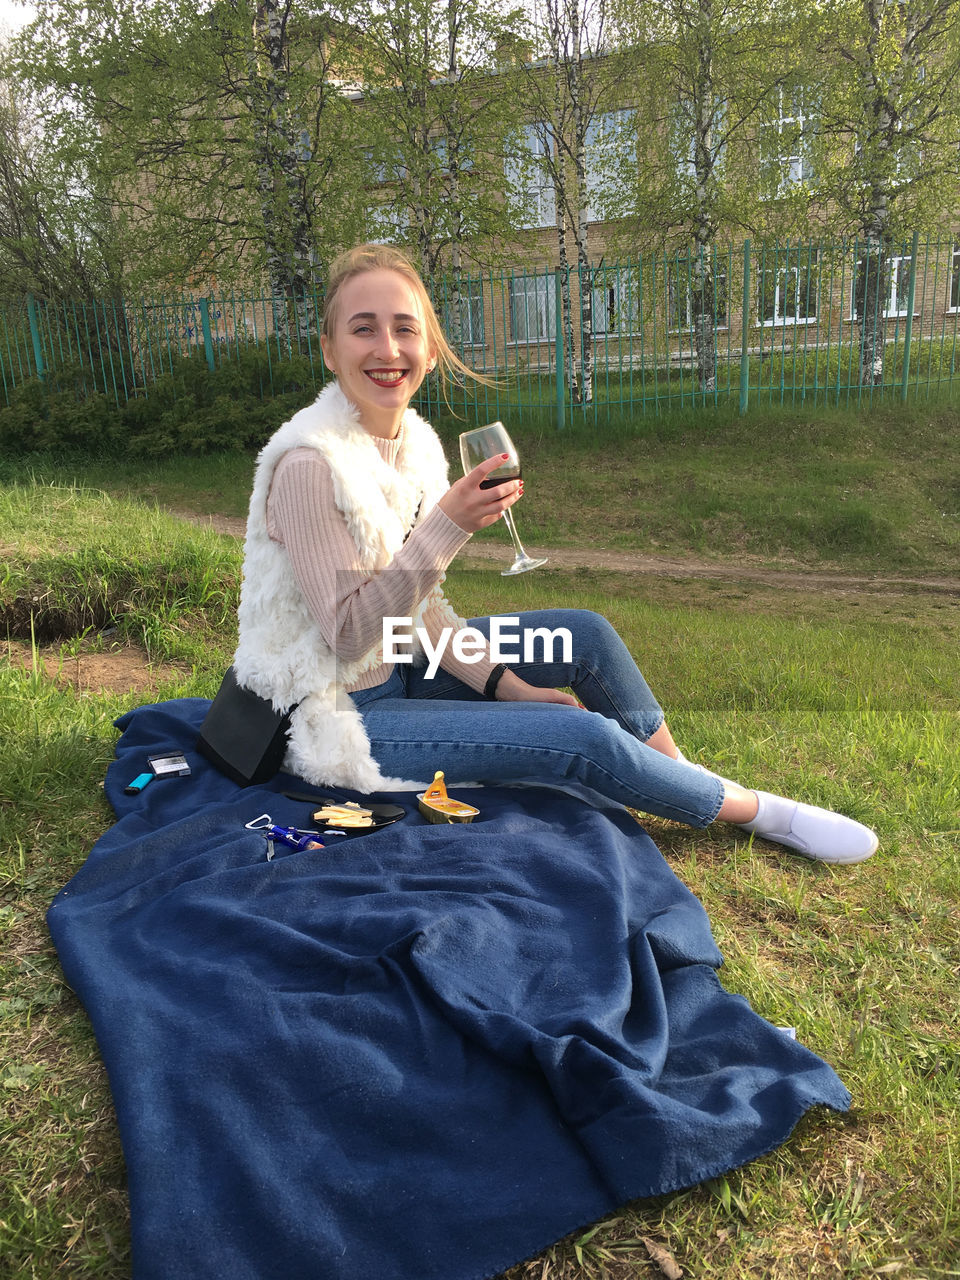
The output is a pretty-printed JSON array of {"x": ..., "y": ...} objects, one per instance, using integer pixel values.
[{"x": 476, "y": 447}]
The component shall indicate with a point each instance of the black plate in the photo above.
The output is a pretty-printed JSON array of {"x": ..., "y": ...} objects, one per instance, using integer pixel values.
[{"x": 383, "y": 814}]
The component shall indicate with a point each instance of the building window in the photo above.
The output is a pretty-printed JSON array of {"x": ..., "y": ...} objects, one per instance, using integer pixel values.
[
  {"x": 898, "y": 286},
  {"x": 387, "y": 224},
  {"x": 681, "y": 290},
  {"x": 439, "y": 149},
  {"x": 528, "y": 177},
  {"x": 955, "y": 279},
  {"x": 383, "y": 168},
  {"x": 877, "y": 149},
  {"x": 439, "y": 145},
  {"x": 896, "y": 289},
  {"x": 785, "y": 144},
  {"x": 610, "y": 162},
  {"x": 788, "y": 287},
  {"x": 683, "y": 140},
  {"x": 616, "y": 303},
  {"x": 468, "y": 301},
  {"x": 533, "y": 309}
]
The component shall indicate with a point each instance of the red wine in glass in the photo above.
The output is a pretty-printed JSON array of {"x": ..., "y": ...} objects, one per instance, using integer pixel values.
[{"x": 500, "y": 477}]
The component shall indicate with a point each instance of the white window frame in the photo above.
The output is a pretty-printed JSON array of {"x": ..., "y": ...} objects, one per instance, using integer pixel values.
[
  {"x": 685, "y": 279},
  {"x": 793, "y": 168},
  {"x": 538, "y": 291},
  {"x": 684, "y": 145},
  {"x": 798, "y": 272},
  {"x": 900, "y": 159},
  {"x": 394, "y": 224},
  {"x": 347, "y": 88},
  {"x": 439, "y": 145},
  {"x": 609, "y": 152},
  {"x": 530, "y": 179},
  {"x": 616, "y": 295},
  {"x": 905, "y": 148},
  {"x": 897, "y": 264},
  {"x": 954, "y": 295},
  {"x": 898, "y": 267},
  {"x": 385, "y": 170}
]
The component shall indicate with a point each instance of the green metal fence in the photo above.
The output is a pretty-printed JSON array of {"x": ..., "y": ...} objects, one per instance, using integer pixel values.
[{"x": 770, "y": 324}]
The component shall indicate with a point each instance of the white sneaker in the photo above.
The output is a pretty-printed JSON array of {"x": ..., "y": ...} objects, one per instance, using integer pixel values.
[{"x": 814, "y": 832}]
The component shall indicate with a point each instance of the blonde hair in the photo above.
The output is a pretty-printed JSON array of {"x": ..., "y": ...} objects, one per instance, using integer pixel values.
[{"x": 383, "y": 257}]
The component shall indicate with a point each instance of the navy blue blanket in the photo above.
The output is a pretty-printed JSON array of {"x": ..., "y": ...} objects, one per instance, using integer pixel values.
[{"x": 424, "y": 1053}]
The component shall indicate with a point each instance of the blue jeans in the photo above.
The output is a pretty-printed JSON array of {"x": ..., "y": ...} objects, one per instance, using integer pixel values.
[{"x": 603, "y": 748}]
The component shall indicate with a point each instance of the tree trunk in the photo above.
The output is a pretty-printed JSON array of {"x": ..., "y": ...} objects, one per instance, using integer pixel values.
[
  {"x": 703, "y": 300},
  {"x": 556, "y": 166},
  {"x": 871, "y": 292},
  {"x": 285, "y": 220},
  {"x": 569, "y": 372},
  {"x": 704, "y": 316},
  {"x": 455, "y": 318},
  {"x": 586, "y": 322},
  {"x": 583, "y": 260},
  {"x": 454, "y": 301}
]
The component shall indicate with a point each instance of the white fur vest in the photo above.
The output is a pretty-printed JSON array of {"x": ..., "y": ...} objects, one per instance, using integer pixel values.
[{"x": 281, "y": 654}]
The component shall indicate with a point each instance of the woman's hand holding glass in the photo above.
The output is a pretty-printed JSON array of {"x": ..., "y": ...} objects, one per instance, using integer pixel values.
[{"x": 472, "y": 507}]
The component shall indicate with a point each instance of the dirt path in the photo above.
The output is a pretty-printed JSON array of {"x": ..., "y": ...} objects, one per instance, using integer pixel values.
[
  {"x": 123, "y": 667},
  {"x": 796, "y": 579}
]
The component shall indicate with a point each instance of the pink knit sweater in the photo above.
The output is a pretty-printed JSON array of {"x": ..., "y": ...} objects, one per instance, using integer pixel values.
[{"x": 348, "y": 603}]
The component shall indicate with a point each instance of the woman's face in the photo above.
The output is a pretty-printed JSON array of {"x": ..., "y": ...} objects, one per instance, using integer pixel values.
[{"x": 379, "y": 348}]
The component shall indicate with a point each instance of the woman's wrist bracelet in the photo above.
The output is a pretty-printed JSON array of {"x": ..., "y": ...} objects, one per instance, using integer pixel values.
[{"x": 493, "y": 679}]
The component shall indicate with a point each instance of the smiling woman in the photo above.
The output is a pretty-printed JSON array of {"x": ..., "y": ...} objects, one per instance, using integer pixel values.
[{"x": 353, "y": 524}]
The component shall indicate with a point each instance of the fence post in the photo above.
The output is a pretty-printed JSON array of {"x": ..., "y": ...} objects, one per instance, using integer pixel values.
[
  {"x": 561, "y": 387},
  {"x": 35, "y": 335},
  {"x": 908, "y": 332},
  {"x": 207, "y": 335},
  {"x": 745, "y": 324}
]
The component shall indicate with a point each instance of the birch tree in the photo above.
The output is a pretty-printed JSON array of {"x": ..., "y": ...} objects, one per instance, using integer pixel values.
[
  {"x": 280, "y": 144},
  {"x": 565, "y": 92},
  {"x": 887, "y": 160}
]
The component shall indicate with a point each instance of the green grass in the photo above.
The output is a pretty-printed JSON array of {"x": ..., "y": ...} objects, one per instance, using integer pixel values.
[
  {"x": 220, "y": 482},
  {"x": 877, "y": 492},
  {"x": 874, "y": 491},
  {"x": 848, "y": 700},
  {"x": 80, "y": 562}
]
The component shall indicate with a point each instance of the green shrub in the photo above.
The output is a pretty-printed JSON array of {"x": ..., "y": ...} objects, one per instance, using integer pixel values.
[
  {"x": 187, "y": 409},
  {"x": 41, "y": 418}
]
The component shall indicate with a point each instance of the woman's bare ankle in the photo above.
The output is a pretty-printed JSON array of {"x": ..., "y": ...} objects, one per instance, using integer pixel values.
[
  {"x": 739, "y": 804},
  {"x": 663, "y": 742}
]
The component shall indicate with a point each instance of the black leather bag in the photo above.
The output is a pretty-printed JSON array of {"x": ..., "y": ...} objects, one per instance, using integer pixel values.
[{"x": 242, "y": 735}]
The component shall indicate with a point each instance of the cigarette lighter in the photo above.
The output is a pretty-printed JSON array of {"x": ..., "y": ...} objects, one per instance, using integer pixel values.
[{"x": 136, "y": 786}]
